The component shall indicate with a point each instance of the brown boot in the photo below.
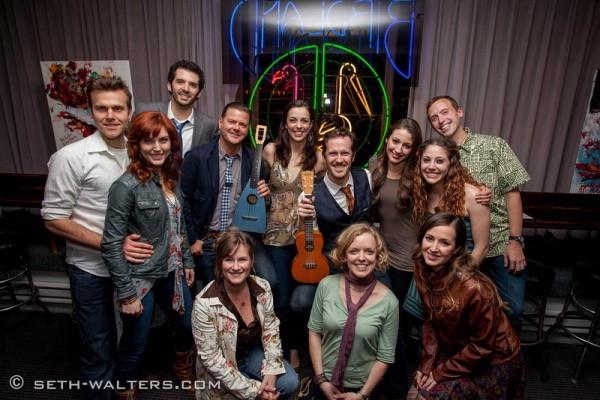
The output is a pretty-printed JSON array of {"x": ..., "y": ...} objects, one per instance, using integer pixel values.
[
  {"x": 184, "y": 370},
  {"x": 130, "y": 394}
]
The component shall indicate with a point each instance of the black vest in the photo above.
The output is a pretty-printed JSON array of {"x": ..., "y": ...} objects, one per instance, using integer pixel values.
[{"x": 332, "y": 219}]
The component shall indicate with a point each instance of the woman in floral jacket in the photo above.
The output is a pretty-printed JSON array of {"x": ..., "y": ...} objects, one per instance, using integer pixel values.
[{"x": 236, "y": 330}]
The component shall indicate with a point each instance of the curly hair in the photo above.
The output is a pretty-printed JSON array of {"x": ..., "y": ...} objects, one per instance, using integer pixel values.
[
  {"x": 227, "y": 244},
  {"x": 405, "y": 185},
  {"x": 283, "y": 151},
  {"x": 148, "y": 125},
  {"x": 462, "y": 262},
  {"x": 453, "y": 194},
  {"x": 190, "y": 66},
  {"x": 345, "y": 240}
]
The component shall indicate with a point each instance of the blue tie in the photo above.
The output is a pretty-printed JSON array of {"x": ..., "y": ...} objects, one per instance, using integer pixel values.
[{"x": 179, "y": 126}]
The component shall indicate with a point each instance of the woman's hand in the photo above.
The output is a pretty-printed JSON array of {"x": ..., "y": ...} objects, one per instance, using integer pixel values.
[
  {"x": 329, "y": 390},
  {"x": 430, "y": 383},
  {"x": 189, "y": 276},
  {"x": 134, "y": 309},
  {"x": 420, "y": 379},
  {"x": 348, "y": 396},
  {"x": 267, "y": 390}
]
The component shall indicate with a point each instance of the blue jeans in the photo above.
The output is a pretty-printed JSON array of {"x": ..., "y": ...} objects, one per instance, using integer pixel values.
[
  {"x": 282, "y": 258},
  {"x": 136, "y": 329},
  {"x": 93, "y": 302},
  {"x": 251, "y": 365},
  {"x": 304, "y": 295},
  {"x": 396, "y": 377},
  {"x": 510, "y": 287},
  {"x": 205, "y": 264}
]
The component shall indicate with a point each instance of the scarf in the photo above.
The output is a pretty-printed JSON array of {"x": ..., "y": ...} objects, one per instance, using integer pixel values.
[{"x": 348, "y": 335}]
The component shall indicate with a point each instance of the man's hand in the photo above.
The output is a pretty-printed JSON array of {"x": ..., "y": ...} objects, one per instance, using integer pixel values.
[
  {"x": 196, "y": 248},
  {"x": 136, "y": 252},
  {"x": 306, "y": 208},
  {"x": 263, "y": 189},
  {"x": 484, "y": 196},
  {"x": 189, "y": 276},
  {"x": 514, "y": 258}
]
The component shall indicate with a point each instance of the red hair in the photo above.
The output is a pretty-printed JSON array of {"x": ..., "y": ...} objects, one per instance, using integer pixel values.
[{"x": 148, "y": 125}]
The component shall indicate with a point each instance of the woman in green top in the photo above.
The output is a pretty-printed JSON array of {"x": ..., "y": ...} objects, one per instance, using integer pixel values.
[{"x": 353, "y": 323}]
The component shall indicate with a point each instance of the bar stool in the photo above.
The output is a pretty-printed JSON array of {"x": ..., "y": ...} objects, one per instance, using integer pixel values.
[
  {"x": 13, "y": 249},
  {"x": 587, "y": 281},
  {"x": 540, "y": 279}
]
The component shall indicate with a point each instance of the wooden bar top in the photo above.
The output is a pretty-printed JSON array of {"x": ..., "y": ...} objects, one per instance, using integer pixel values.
[{"x": 561, "y": 210}]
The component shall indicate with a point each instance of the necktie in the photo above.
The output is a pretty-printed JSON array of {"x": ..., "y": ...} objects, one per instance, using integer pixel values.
[
  {"x": 179, "y": 126},
  {"x": 226, "y": 194},
  {"x": 349, "y": 198}
]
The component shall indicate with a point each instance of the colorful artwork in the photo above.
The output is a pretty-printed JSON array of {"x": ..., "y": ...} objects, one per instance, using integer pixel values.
[
  {"x": 586, "y": 177},
  {"x": 64, "y": 83}
]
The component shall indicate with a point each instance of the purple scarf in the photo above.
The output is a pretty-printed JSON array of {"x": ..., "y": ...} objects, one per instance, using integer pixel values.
[{"x": 348, "y": 335}]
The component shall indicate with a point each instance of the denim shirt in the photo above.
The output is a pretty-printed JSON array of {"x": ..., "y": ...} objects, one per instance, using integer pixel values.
[{"x": 139, "y": 208}]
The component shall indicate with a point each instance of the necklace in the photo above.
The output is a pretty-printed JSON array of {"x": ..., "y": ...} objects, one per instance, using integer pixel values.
[
  {"x": 358, "y": 290},
  {"x": 173, "y": 204},
  {"x": 242, "y": 303}
]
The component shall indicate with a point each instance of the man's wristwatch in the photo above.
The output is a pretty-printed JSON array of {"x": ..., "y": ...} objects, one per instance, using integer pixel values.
[{"x": 519, "y": 239}]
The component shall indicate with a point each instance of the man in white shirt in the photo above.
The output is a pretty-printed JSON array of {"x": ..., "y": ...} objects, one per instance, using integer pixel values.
[
  {"x": 74, "y": 207},
  {"x": 185, "y": 83}
]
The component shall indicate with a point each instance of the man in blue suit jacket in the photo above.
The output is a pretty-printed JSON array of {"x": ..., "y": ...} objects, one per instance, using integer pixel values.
[
  {"x": 202, "y": 182},
  {"x": 185, "y": 83}
]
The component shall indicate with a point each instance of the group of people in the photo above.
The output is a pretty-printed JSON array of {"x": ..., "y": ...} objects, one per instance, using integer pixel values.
[{"x": 147, "y": 210}]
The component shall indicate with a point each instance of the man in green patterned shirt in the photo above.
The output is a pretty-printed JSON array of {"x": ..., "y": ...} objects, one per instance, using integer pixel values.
[{"x": 492, "y": 162}]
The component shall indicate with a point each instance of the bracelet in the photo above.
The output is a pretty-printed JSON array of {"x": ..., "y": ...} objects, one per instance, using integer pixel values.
[
  {"x": 319, "y": 379},
  {"x": 364, "y": 396},
  {"x": 129, "y": 300}
]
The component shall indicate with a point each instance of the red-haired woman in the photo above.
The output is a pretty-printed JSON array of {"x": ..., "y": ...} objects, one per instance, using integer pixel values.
[{"x": 147, "y": 201}]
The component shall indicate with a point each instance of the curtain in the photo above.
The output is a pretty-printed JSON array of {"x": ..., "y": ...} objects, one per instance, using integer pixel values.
[
  {"x": 521, "y": 70},
  {"x": 151, "y": 34}
]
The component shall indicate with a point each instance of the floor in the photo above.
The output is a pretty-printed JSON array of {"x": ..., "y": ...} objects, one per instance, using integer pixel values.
[{"x": 44, "y": 353}]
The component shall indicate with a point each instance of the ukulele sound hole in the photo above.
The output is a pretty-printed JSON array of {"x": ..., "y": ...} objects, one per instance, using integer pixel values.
[{"x": 252, "y": 199}]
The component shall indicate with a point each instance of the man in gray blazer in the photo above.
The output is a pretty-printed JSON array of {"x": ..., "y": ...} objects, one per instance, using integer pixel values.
[{"x": 185, "y": 83}]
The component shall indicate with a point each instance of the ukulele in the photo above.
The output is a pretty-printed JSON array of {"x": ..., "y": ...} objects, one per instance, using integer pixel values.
[
  {"x": 250, "y": 213},
  {"x": 310, "y": 265}
]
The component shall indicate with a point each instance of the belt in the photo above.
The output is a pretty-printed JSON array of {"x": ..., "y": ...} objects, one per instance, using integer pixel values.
[{"x": 212, "y": 234}]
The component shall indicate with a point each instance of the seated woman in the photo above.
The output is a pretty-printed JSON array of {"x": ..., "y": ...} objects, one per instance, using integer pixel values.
[
  {"x": 147, "y": 201},
  {"x": 443, "y": 184},
  {"x": 236, "y": 330},
  {"x": 353, "y": 323},
  {"x": 470, "y": 350}
]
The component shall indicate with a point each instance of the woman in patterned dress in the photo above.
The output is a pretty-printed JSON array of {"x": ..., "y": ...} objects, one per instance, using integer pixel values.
[{"x": 294, "y": 150}]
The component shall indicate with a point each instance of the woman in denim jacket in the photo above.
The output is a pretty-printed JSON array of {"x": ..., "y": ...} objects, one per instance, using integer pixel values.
[{"x": 147, "y": 201}]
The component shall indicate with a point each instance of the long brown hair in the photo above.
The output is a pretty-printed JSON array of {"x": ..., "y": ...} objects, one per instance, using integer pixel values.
[
  {"x": 405, "y": 185},
  {"x": 461, "y": 262},
  {"x": 453, "y": 194},
  {"x": 283, "y": 151},
  {"x": 148, "y": 125}
]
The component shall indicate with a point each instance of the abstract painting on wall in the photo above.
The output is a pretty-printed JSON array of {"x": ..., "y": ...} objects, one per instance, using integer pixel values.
[
  {"x": 586, "y": 177},
  {"x": 64, "y": 83}
]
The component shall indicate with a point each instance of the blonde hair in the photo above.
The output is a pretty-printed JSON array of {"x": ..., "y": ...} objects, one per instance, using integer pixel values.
[{"x": 345, "y": 239}]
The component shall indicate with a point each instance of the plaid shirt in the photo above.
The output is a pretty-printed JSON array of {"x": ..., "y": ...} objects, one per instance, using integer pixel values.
[{"x": 492, "y": 162}]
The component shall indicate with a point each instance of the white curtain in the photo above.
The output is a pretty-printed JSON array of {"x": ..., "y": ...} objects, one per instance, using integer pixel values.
[
  {"x": 521, "y": 70},
  {"x": 151, "y": 34}
]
